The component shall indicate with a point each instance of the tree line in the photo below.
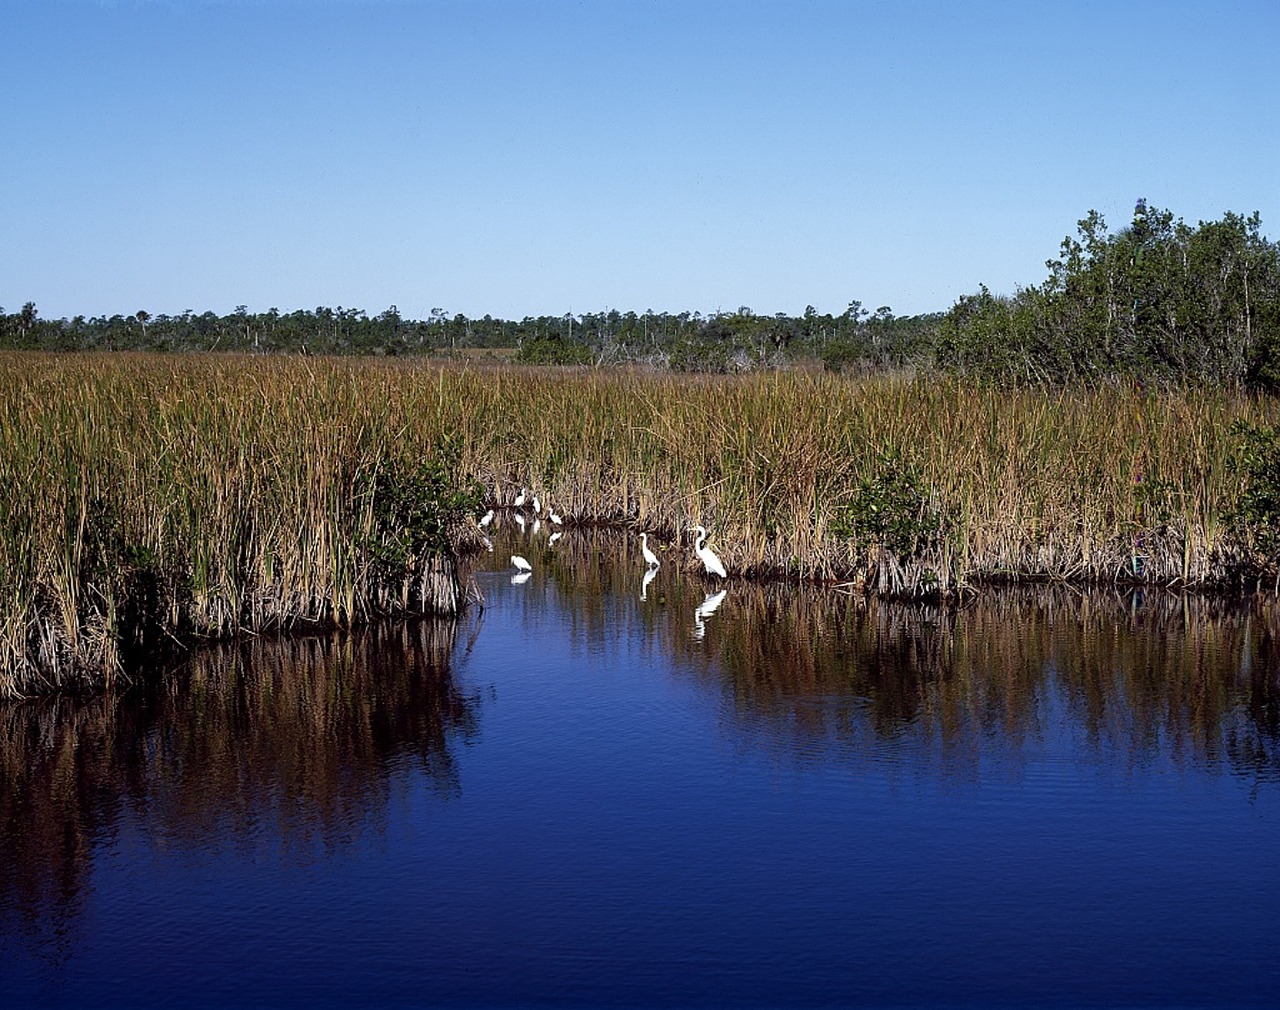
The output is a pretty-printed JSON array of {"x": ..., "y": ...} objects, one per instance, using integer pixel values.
[
  {"x": 687, "y": 340},
  {"x": 1157, "y": 300}
]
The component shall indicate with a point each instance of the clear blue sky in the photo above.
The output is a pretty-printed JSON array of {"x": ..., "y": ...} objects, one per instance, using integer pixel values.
[{"x": 530, "y": 157}]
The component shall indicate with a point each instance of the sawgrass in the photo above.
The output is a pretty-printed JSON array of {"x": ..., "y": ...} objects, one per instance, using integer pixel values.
[{"x": 161, "y": 498}]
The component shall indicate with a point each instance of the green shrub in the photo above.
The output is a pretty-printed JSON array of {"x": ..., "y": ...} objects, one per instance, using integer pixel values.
[
  {"x": 1256, "y": 461},
  {"x": 416, "y": 508},
  {"x": 553, "y": 351},
  {"x": 893, "y": 507},
  {"x": 837, "y": 355}
]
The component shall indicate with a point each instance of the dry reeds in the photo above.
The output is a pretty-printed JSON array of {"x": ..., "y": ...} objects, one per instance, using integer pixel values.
[
  {"x": 152, "y": 499},
  {"x": 197, "y": 496},
  {"x": 903, "y": 485}
]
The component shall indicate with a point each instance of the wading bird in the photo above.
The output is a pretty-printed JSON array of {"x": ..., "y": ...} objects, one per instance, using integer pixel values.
[
  {"x": 650, "y": 558},
  {"x": 520, "y": 498},
  {"x": 520, "y": 563},
  {"x": 707, "y": 556},
  {"x": 487, "y": 518}
]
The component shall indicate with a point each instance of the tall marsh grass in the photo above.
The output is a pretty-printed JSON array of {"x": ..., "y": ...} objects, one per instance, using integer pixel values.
[
  {"x": 154, "y": 499},
  {"x": 158, "y": 498},
  {"x": 901, "y": 484}
]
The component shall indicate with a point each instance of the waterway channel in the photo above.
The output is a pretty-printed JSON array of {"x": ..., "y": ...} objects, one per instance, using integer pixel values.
[{"x": 602, "y": 790}]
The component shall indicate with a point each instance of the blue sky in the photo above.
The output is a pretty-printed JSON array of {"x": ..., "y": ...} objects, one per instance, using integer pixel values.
[{"x": 521, "y": 158}]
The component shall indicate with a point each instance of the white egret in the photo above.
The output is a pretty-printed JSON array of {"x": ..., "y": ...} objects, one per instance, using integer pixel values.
[
  {"x": 520, "y": 498},
  {"x": 520, "y": 563},
  {"x": 650, "y": 558},
  {"x": 537, "y": 505},
  {"x": 707, "y": 556},
  {"x": 487, "y": 518}
]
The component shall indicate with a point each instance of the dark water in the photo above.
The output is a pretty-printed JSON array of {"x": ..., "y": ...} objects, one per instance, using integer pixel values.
[{"x": 582, "y": 798}]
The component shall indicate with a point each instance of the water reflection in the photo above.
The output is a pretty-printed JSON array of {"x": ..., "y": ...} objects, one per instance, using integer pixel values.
[
  {"x": 622, "y": 835},
  {"x": 1136, "y": 675},
  {"x": 709, "y": 605},
  {"x": 280, "y": 742},
  {"x": 1140, "y": 678}
]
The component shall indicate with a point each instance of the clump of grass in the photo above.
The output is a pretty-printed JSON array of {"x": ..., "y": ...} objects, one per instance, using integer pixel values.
[{"x": 164, "y": 499}]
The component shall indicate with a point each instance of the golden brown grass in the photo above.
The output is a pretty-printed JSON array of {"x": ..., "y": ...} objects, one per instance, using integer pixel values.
[{"x": 207, "y": 495}]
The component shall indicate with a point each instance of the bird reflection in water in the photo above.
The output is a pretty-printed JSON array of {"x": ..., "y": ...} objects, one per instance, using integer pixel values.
[{"x": 704, "y": 610}]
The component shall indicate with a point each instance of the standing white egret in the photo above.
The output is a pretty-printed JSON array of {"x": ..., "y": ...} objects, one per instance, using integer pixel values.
[
  {"x": 520, "y": 498},
  {"x": 650, "y": 558},
  {"x": 537, "y": 506},
  {"x": 707, "y": 556},
  {"x": 487, "y": 518},
  {"x": 520, "y": 563}
]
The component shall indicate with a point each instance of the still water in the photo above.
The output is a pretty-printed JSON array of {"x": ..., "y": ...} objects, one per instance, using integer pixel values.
[{"x": 597, "y": 792}]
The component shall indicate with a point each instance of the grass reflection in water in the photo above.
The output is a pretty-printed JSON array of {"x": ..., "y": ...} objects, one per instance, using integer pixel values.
[
  {"x": 1140, "y": 675},
  {"x": 288, "y": 739},
  {"x": 1137, "y": 674},
  {"x": 298, "y": 744}
]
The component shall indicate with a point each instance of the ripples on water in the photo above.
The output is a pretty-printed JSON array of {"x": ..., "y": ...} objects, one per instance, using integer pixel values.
[{"x": 605, "y": 792}]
